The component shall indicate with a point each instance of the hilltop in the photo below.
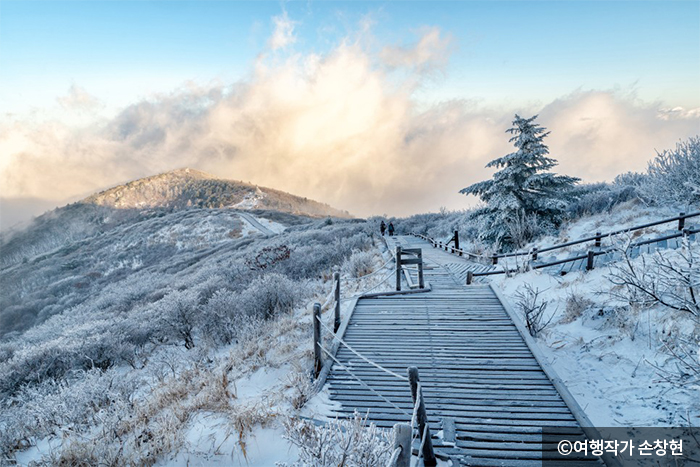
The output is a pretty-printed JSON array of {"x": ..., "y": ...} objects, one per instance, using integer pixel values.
[
  {"x": 187, "y": 187},
  {"x": 155, "y": 196}
]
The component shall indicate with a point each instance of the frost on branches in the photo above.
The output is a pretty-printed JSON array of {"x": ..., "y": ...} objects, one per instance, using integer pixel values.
[
  {"x": 349, "y": 443},
  {"x": 523, "y": 192}
]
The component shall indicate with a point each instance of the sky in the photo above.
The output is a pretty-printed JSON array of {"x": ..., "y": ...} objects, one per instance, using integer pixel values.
[{"x": 374, "y": 107}]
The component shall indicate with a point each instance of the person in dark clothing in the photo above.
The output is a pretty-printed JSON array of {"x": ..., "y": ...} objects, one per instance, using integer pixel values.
[
  {"x": 382, "y": 228},
  {"x": 391, "y": 229}
]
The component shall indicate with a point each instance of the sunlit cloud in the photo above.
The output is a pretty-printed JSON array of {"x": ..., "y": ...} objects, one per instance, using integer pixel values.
[
  {"x": 339, "y": 127},
  {"x": 283, "y": 34},
  {"x": 78, "y": 99},
  {"x": 430, "y": 52}
]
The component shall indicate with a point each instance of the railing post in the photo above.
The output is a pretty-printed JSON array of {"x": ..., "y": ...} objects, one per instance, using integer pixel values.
[
  {"x": 457, "y": 239},
  {"x": 428, "y": 454},
  {"x": 534, "y": 253},
  {"x": 681, "y": 221},
  {"x": 598, "y": 237},
  {"x": 589, "y": 260},
  {"x": 318, "y": 363},
  {"x": 494, "y": 258},
  {"x": 470, "y": 277},
  {"x": 336, "y": 322},
  {"x": 402, "y": 439},
  {"x": 398, "y": 268},
  {"x": 421, "y": 281}
]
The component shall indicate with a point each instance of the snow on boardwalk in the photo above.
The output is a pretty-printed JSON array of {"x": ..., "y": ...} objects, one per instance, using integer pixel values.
[{"x": 475, "y": 368}]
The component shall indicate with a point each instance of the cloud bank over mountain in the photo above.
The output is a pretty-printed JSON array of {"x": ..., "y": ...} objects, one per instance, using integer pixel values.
[{"x": 344, "y": 127}]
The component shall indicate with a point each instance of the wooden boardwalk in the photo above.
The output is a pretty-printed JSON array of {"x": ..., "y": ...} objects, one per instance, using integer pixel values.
[{"x": 476, "y": 370}]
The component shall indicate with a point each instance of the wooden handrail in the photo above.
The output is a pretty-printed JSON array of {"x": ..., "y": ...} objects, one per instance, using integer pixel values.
[
  {"x": 597, "y": 237},
  {"x": 595, "y": 253}
]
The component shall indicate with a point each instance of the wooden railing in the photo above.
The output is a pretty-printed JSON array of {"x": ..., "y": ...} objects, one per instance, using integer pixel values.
[
  {"x": 589, "y": 256},
  {"x": 403, "y": 439},
  {"x": 597, "y": 238}
]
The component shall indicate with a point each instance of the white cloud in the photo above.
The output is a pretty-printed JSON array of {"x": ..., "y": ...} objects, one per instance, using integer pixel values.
[
  {"x": 679, "y": 112},
  {"x": 78, "y": 99},
  {"x": 337, "y": 128},
  {"x": 430, "y": 52},
  {"x": 283, "y": 35}
]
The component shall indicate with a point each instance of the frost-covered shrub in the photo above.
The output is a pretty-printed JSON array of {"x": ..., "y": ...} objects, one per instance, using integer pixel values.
[
  {"x": 674, "y": 175},
  {"x": 669, "y": 279},
  {"x": 270, "y": 295},
  {"x": 602, "y": 197},
  {"x": 576, "y": 306},
  {"x": 523, "y": 228},
  {"x": 349, "y": 443},
  {"x": 359, "y": 264},
  {"x": 53, "y": 406},
  {"x": 532, "y": 307},
  {"x": 220, "y": 317},
  {"x": 312, "y": 261},
  {"x": 178, "y": 314}
]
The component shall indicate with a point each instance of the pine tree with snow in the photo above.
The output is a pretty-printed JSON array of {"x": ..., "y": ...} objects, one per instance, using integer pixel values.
[{"x": 523, "y": 191}]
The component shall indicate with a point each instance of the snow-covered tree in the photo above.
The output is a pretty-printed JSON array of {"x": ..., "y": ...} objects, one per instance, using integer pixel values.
[{"x": 523, "y": 187}]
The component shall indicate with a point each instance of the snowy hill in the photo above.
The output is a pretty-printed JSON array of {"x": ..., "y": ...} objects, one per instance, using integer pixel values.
[
  {"x": 188, "y": 187},
  {"x": 147, "y": 198},
  {"x": 151, "y": 339}
]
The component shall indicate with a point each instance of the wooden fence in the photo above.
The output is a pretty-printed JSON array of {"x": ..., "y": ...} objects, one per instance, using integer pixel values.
[{"x": 589, "y": 256}]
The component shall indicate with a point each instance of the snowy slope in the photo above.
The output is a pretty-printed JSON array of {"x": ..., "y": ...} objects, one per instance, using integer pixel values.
[{"x": 614, "y": 358}]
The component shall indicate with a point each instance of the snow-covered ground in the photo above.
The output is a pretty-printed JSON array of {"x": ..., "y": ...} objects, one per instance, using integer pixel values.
[
  {"x": 211, "y": 439},
  {"x": 218, "y": 227},
  {"x": 623, "y": 216},
  {"x": 264, "y": 380},
  {"x": 612, "y": 356}
]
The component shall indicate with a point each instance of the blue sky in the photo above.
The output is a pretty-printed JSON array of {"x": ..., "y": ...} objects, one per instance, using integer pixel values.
[
  {"x": 502, "y": 51},
  {"x": 337, "y": 101}
]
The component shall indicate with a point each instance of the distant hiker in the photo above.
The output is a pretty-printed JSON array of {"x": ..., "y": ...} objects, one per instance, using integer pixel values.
[
  {"x": 391, "y": 229},
  {"x": 382, "y": 227}
]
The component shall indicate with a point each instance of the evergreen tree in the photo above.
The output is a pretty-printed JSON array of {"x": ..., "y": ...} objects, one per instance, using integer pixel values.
[{"x": 524, "y": 187}]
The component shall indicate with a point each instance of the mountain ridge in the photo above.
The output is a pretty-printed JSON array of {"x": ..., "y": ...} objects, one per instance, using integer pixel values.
[
  {"x": 187, "y": 187},
  {"x": 179, "y": 191}
]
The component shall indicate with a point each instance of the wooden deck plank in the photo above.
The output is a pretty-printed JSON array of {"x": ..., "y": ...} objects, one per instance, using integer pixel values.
[{"x": 475, "y": 367}]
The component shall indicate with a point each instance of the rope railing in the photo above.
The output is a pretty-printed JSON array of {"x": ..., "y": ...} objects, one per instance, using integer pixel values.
[
  {"x": 405, "y": 435},
  {"x": 359, "y": 380},
  {"x": 419, "y": 418},
  {"x": 374, "y": 364}
]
